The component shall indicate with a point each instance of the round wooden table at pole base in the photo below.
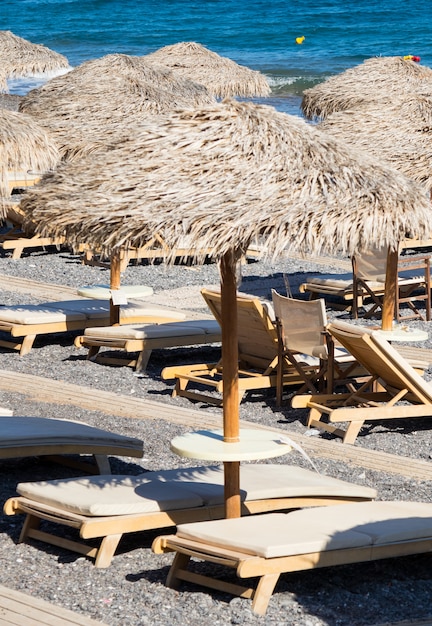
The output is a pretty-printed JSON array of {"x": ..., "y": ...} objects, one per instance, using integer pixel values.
[{"x": 209, "y": 445}]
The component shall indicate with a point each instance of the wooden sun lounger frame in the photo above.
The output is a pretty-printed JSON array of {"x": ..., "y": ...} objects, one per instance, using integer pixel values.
[
  {"x": 144, "y": 347},
  {"x": 267, "y": 570},
  {"x": 366, "y": 404},
  {"x": 110, "y": 529},
  {"x": 17, "y": 240},
  {"x": 26, "y": 334}
]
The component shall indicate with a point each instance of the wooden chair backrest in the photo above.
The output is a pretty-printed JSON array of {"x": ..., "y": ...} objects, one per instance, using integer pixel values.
[
  {"x": 257, "y": 336},
  {"x": 380, "y": 359}
]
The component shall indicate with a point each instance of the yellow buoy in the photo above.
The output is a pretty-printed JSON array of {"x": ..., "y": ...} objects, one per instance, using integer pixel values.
[{"x": 299, "y": 40}]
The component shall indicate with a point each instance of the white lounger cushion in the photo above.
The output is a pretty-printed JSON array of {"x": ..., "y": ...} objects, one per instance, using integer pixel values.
[
  {"x": 19, "y": 432},
  {"x": 37, "y": 314},
  {"x": 153, "y": 331},
  {"x": 80, "y": 309},
  {"x": 118, "y": 495},
  {"x": 342, "y": 281},
  {"x": 316, "y": 530}
]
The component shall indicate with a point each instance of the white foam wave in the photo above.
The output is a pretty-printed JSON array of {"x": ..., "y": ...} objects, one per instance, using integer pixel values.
[{"x": 23, "y": 85}]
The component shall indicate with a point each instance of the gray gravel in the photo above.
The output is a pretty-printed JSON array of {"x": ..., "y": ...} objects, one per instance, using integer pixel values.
[{"x": 132, "y": 592}]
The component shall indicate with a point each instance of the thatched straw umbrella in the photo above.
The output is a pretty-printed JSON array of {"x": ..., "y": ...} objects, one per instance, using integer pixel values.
[
  {"x": 377, "y": 81},
  {"x": 24, "y": 146},
  {"x": 19, "y": 58},
  {"x": 222, "y": 76},
  {"x": 100, "y": 102},
  {"x": 90, "y": 105},
  {"x": 223, "y": 176},
  {"x": 400, "y": 134}
]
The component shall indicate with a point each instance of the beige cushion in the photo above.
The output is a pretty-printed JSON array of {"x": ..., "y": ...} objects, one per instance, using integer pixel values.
[
  {"x": 154, "y": 331},
  {"x": 339, "y": 281},
  {"x": 316, "y": 530},
  {"x": 110, "y": 495},
  {"x": 38, "y": 314},
  {"x": 105, "y": 495},
  {"x": 136, "y": 308}
]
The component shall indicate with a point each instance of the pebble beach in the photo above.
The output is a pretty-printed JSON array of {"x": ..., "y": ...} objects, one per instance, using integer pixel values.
[{"x": 132, "y": 591}]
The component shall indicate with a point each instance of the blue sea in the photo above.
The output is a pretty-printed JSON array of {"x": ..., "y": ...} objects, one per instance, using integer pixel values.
[{"x": 258, "y": 33}]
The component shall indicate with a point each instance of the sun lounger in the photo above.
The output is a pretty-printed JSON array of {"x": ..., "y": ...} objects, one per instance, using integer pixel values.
[
  {"x": 25, "y": 322},
  {"x": 404, "y": 393},
  {"x": 38, "y": 436},
  {"x": 17, "y": 240},
  {"x": 266, "y": 546},
  {"x": 145, "y": 338},
  {"x": 108, "y": 506}
]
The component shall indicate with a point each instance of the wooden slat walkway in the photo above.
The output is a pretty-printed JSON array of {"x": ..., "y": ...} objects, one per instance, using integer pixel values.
[
  {"x": 20, "y": 609},
  {"x": 59, "y": 392}
]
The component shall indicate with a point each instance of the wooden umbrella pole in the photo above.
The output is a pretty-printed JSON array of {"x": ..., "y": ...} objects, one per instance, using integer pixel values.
[
  {"x": 389, "y": 301},
  {"x": 115, "y": 277},
  {"x": 231, "y": 413}
]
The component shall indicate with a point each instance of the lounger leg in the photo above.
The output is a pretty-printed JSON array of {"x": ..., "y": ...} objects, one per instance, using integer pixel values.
[
  {"x": 27, "y": 344},
  {"x": 179, "y": 563},
  {"x": 263, "y": 593},
  {"x": 181, "y": 384},
  {"x": 352, "y": 431},
  {"x": 142, "y": 360},
  {"x": 103, "y": 464},
  {"x": 31, "y": 522},
  {"x": 106, "y": 550},
  {"x": 92, "y": 353}
]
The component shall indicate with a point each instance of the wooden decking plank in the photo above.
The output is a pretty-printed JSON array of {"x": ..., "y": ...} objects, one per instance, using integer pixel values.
[
  {"x": 59, "y": 392},
  {"x": 20, "y": 609}
]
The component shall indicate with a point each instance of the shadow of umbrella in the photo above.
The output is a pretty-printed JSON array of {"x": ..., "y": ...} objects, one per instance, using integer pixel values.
[
  {"x": 225, "y": 175},
  {"x": 20, "y": 58}
]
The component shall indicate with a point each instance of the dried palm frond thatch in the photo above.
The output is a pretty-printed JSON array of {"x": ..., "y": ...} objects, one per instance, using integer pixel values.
[
  {"x": 375, "y": 81},
  {"x": 19, "y": 57},
  {"x": 222, "y": 76},
  {"x": 24, "y": 146},
  {"x": 100, "y": 96},
  {"x": 400, "y": 134},
  {"x": 224, "y": 175}
]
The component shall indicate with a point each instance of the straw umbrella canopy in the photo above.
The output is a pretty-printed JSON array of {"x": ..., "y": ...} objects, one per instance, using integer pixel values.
[
  {"x": 101, "y": 100},
  {"x": 224, "y": 175},
  {"x": 376, "y": 81},
  {"x": 24, "y": 146},
  {"x": 399, "y": 134},
  {"x": 222, "y": 76},
  {"x": 19, "y": 58}
]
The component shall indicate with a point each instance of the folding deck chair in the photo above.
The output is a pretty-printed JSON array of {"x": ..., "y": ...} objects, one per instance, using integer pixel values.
[
  {"x": 258, "y": 354},
  {"x": 398, "y": 380},
  {"x": 266, "y": 546},
  {"x": 106, "y": 507},
  {"x": 303, "y": 339}
]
